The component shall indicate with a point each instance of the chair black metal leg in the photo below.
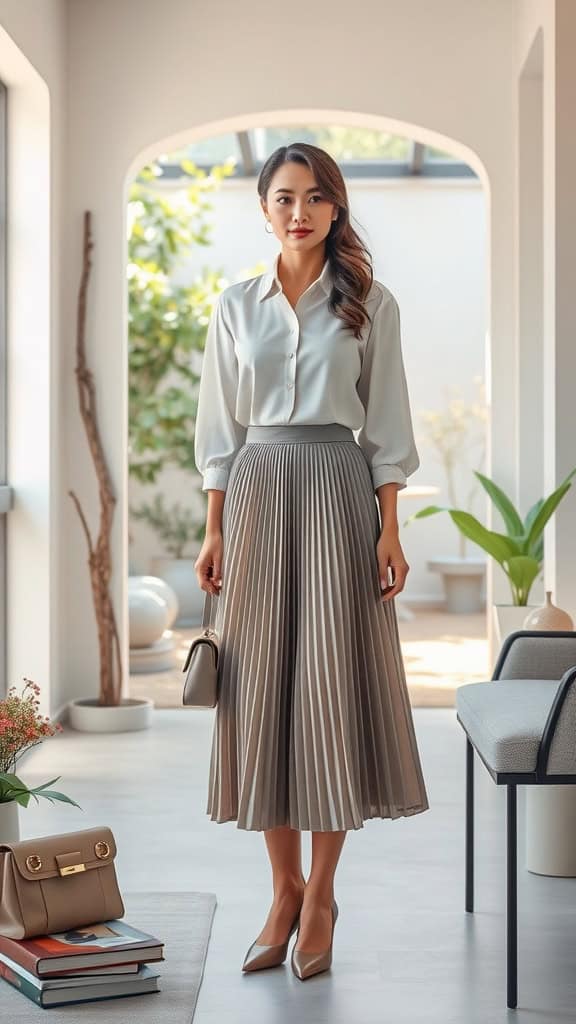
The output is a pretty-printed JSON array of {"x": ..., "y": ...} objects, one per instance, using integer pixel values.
[
  {"x": 512, "y": 898},
  {"x": 469, "y": 826}
]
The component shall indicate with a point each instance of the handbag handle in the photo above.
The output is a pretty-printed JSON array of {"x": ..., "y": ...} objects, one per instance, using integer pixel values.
[{"x": 209, "y": 613}]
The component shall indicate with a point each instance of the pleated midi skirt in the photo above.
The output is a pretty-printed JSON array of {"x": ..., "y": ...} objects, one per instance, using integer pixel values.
[{"x": 313, "y": 728}]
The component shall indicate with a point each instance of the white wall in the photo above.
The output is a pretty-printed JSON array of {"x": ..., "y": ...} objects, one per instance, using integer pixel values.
[
  {"x": 33, "y": 69},
  {"x": 428, "y": 242},
  {"x": 121, "y": 92},
  {"x": 546, "y": 72}
]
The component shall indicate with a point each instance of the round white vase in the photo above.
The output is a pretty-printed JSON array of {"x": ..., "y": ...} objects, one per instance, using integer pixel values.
[
  {"x": 548, "y": 616},
  {"x": 180, "y": 575},
  {"x": 147, "y": 616},
  {"x": 9, "y": 822},
  {"x": 163, "y": 590}
]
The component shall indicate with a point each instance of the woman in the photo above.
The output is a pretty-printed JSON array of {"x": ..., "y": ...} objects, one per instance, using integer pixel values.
[{"x": 313, "y": 727}]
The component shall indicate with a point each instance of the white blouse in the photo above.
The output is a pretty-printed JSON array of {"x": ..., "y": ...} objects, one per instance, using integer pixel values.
[{"x": 268, "y": 363}]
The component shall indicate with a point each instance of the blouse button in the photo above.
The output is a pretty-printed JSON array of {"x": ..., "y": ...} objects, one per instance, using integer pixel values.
[
  {"x": 290, "y": 385},
  {"x": 291, "y": 356}
]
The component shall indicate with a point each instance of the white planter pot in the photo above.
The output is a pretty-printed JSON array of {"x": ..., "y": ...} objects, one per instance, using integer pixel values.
[
  {"x": 87, "y": 715},
  {"x": 180, "y": 575},
  {"x": 551, "y": 830},
  {"x": 9, "y": 822},
  {"x": 463, "y": 580},
  {"x": 508, "y": 618}
]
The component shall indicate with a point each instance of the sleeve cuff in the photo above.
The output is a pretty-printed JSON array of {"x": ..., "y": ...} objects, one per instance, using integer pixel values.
[
  {"x": 215, "y": 478},
  {"x": 388, "y": 475}
]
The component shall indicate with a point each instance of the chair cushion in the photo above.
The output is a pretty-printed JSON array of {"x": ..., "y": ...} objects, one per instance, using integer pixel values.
[{"x": 505, "y": 719}]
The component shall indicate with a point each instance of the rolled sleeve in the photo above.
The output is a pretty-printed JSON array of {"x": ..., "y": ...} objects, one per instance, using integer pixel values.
[
  {"x": 217, "y": 435},
  {"x": 387, "y": 436}
]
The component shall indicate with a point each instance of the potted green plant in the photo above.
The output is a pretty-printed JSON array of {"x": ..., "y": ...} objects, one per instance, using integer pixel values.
[
  {"x": 22, "y": 727},
  {"x": 177, "y": 528},
  {"x": 456, "y": 434},
  {"x": 519, "y": 551}
]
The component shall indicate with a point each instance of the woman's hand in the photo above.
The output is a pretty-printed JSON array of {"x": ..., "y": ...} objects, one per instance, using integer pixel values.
[
  {"x": 208, "y": 565},
  {"x": 389, "y": 553}
]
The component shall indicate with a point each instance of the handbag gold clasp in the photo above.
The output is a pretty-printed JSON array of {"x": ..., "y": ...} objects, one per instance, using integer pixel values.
[{"x": 72, "y": 869}]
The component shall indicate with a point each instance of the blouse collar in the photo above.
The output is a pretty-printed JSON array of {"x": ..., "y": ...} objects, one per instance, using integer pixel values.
[{"x": 270, "y": 279}]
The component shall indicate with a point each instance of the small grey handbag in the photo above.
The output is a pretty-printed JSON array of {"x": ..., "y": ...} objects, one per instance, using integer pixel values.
[{"x": 201, "y": 665}]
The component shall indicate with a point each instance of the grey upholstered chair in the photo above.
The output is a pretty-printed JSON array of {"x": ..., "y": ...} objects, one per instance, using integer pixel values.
[{"x": 522, "y": 725}]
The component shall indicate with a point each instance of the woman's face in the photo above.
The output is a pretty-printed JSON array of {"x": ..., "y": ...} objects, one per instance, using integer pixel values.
[{"x": 294, "y": 201}]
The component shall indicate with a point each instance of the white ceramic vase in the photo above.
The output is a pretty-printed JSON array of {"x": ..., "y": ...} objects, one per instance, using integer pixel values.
[
  {"x": 147, "y": 616},
  {"x": 161, "y": 588},
  {"x": 548, "y": 616},
  {"x": 9, "y": 822}
]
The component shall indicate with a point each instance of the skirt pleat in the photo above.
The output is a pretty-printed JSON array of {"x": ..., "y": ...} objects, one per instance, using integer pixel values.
[{"x": 313, "y": 728}]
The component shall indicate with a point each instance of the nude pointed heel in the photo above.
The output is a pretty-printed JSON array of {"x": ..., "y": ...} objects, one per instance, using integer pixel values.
[
  {"x": 259, "y": 957},
  {"x": 304, "y": 965}
]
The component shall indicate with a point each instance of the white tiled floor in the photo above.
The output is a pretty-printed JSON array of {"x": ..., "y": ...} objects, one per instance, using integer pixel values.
[{"x": 405, "y": 951}]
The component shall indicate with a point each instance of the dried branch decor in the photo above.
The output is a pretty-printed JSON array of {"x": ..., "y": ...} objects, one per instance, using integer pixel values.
[{"x": 99, "y": 556}]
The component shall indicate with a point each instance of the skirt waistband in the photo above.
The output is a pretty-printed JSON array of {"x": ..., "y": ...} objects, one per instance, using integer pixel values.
[{"x": 298, "y": 432}]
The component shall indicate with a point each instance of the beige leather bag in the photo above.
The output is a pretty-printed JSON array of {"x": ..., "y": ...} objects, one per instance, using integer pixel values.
[
  {"x": 57, "y": 883},
  {"x": 201, "y": 665}
]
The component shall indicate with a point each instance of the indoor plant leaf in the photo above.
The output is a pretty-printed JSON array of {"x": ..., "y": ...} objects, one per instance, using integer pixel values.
[
  {"x": 498, "y": 545},
  {"x": 548, "y": 507},
  {"x": 512, "y": 520},
  {"x": 52, "y": 795},
  {"x": 522, "y": 572}
]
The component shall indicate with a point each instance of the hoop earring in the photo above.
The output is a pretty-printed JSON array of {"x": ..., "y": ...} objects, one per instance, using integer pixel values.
[{"x": 266, "y": 228}]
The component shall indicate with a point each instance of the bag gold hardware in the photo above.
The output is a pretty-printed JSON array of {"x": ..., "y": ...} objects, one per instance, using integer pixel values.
[
  {"x": 72, "y": 869},
  {"x": 35, "y": 890}
]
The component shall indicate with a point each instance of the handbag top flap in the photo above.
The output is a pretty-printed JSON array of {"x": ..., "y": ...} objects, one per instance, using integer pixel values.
[
  {"x": 206, "y": 642},
  {"x": 65, "y": 854}
]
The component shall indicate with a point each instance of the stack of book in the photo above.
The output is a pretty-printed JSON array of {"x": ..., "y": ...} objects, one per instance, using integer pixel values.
[{"x": 106, "y": 960}]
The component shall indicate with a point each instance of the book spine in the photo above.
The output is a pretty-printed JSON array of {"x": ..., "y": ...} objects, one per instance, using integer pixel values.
[
  {"x": 27, "y": 988},
  {"x": 14, "y": 951}
]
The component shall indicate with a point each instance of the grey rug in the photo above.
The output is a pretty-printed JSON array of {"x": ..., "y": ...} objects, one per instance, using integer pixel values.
[{"x": 183, "y": 921}]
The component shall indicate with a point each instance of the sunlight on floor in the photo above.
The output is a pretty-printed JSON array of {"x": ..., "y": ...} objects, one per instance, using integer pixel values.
[{"x": 441, "y": 651}]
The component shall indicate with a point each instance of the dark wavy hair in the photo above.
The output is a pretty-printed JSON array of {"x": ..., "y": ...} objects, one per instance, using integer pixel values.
[{"x": 350, "y": 262}]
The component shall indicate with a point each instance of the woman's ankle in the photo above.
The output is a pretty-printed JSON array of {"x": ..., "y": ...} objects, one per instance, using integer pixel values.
[
  {"x": 320, "y": 894},
  {"x": 288, "y": 887}
]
